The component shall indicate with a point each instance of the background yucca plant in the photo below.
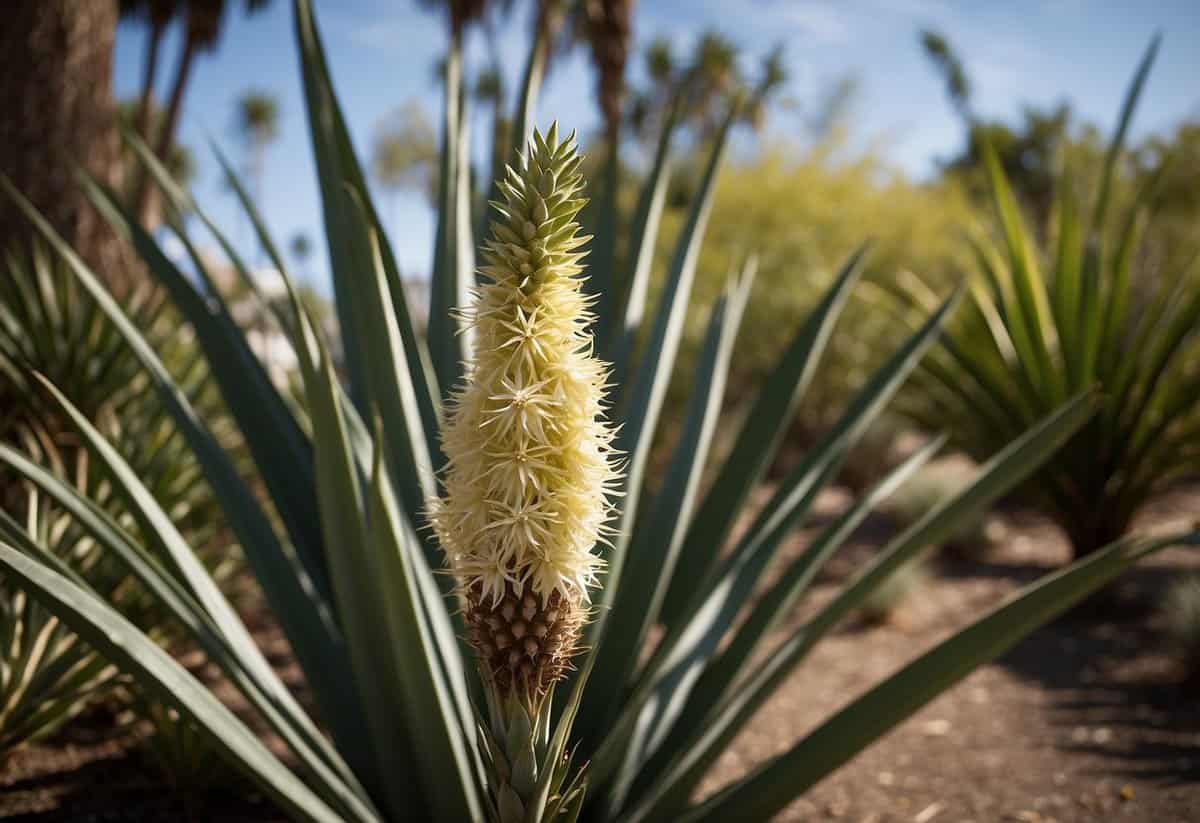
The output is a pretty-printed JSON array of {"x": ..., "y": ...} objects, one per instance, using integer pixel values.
[
  {"x": 349, "y": 575},
  {"x": 1044, "y": 322},
  {"x": 47, "y": 674},
  {"x": 50, "y": 325}
]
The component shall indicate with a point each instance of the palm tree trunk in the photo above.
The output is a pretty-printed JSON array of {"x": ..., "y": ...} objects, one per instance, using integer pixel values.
[
  {"x": 136, "y": 176},
  {"x": 166, "y": 135},
  {"x": 260, "y": 171},
  {"x": 149, "y": 73},
  {"x": 56, "y": 95},
  {"x": 175, "y": 103}
]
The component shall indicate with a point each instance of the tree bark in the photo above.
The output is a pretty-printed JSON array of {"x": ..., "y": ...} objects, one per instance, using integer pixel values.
[{"x": 58, "y": 112}]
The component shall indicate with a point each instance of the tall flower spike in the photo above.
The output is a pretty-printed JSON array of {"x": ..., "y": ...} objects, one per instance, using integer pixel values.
[{"x": 530, "y": 468}]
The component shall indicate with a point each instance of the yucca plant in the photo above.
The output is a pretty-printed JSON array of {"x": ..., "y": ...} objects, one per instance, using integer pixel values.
[
  {"x": 530, "y": 469},
  {"x": 47, "y": 674},
  {"x": 428, "y": 712},
  {"x": 1044, "y": 323},
  {"x": 50, "y": 325}
]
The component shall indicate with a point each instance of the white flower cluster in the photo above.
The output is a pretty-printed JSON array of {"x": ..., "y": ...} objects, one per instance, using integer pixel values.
[{"x": 531, "y": 469}]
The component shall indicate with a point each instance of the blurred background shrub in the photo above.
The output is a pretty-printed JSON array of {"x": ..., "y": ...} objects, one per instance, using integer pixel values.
[{"x": 806, "y": 210}]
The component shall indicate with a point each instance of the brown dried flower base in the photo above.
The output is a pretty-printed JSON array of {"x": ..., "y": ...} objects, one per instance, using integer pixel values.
[{"x": 523, "y": 643}]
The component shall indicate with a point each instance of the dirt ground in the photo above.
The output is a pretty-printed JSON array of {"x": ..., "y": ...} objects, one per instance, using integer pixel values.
[{"x": 1084, "y": 721}]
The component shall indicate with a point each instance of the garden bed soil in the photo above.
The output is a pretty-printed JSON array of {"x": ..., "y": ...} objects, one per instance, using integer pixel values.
[{"x": 1085, "y": 720}]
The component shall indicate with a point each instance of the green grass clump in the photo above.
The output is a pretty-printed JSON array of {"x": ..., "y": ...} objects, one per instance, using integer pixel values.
[
  {"x": 887, "y": 603},
  {"x": 1181, "y": 607},
  {"x": 935, "y": 483}
]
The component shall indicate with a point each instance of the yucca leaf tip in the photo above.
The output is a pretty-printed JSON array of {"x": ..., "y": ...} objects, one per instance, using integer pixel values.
[{"x": 530, "y": 466}]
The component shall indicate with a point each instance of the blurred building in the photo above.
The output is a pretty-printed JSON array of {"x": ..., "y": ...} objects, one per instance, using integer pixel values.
[{"x": 251, "y": 312}]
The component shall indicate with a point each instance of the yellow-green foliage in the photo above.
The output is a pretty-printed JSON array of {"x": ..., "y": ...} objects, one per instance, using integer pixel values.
[{"x": 803, "y": 213}]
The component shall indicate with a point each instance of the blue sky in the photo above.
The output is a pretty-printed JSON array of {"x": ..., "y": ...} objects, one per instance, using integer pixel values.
[{"x": 382, "y": 53}]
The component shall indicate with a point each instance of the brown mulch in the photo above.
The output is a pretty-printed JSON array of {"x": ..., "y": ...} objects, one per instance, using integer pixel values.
[{"x": 1085, "y": 720}]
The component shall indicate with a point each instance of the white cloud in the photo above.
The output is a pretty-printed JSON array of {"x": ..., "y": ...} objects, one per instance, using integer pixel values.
[
  {"x": 823, "y": 22},
  {"x": 388, "y": 32},
  {"x": 378, "y": 34},
  {"x": 996, "y": 77},
  {"x": 925, "y": 9},
  {"x": 1001, "y": 67}
]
